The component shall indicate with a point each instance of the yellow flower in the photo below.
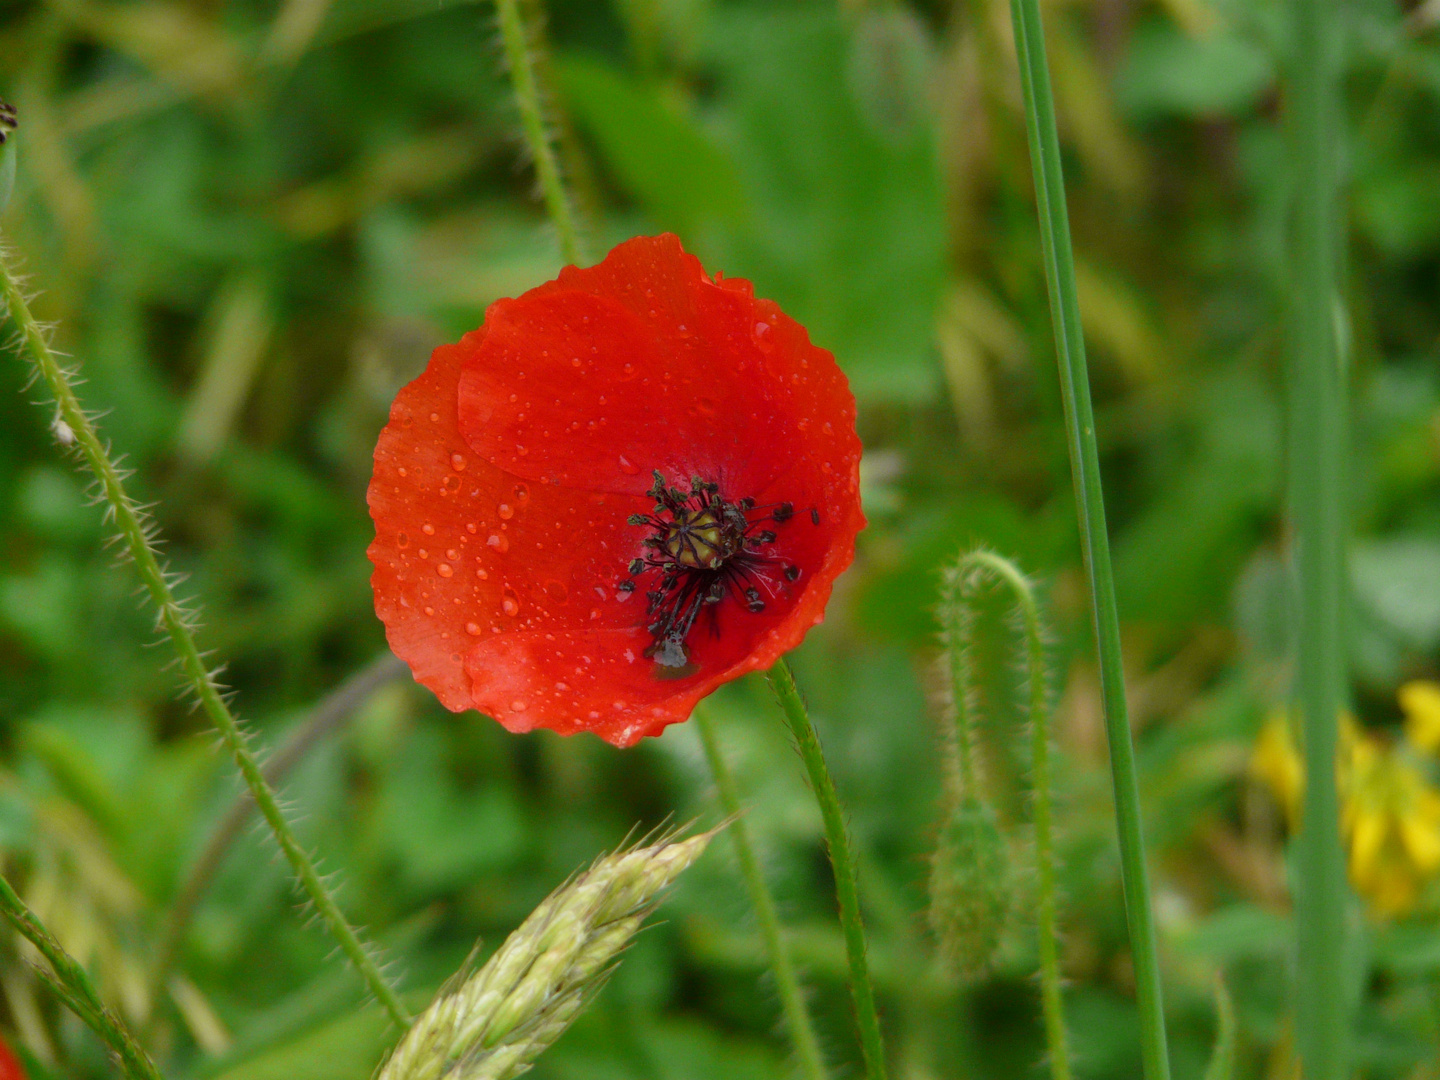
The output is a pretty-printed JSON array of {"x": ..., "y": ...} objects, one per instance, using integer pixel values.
[
  {"x": 1421, "y": 704},
  {"x": 1391, "y": 820},
  {"x": 1390, "y": 813},
  {"x": 1275, "y": 761}
]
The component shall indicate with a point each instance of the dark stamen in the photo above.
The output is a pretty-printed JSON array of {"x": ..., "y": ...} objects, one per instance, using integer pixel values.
[{"x": 704, "y": 547}]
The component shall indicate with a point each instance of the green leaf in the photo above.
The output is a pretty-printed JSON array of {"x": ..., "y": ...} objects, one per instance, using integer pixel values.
[
  {"x": 657, "y": 152},
  {"x": 848, "y": 232},
  {"x": 1168, "y": 72},
  {"x": 345, "y": 1049}
]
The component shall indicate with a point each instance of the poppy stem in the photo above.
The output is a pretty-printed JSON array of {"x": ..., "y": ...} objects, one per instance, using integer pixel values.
[
  {"x": 842, "y": 860},
  {"x": 73, "y": 986},
  {"x": 987, "y": 562},
  {"x": 177, "y": 621},
  {"x": 787, "y": 984},
  {"x": 537, "y": 132},
  {"x": 1094, "y": 541},
  {"x": 1317, "y": 409}
]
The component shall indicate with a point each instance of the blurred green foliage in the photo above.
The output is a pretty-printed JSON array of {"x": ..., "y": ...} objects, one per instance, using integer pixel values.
[{"x": 251, "y": 221}]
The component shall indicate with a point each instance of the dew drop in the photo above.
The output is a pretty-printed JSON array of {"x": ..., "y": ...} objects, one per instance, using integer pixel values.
[
  {"x": 517, "y": 706},
  {"x": 445, "y": 570},
  {"x": 473, "y": 629},
  {"x": 451, "y": 483},
  {"x": 403, "y": 540},
  {"x": 827, "y": 429},
  {"x": 434, "y": 417},
  {"x": 510, "y": 603},
  {"x": 562, "y": 687},
  {"x": 594, "y": 715},
  {"x": 522, "y": 494},
  {"x": 500, "y": 542},
  {"x": 575, "y": 361},
  {"x": 429, "y": 611},
  {"x": 452, "y": 555},
  {"x": 556, "y": 590},
  {"x": 428, "y": 529},
  {"x": 457, "y": 462},
  {"x": 471, "y": 528},
  {"x": 423, "y": 553},
  {"x": 483, "y": 574},
  {"x": 506, "y": 511},
  {"x": 627, "y": 466}
]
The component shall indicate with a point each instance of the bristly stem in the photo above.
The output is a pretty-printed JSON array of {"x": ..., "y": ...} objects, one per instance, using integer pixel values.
[
  {"x": 792, "y": 998},
  {"x": 1317, "y": 424},
  {"x": 1041, "y": 809},
  {"x": 842, "y": 860},
  {"x": 1085, "y": 469},
  {"x": 537, "y": 133},
  {"x": 73, "y": 986},
  {"x": 174, "y": 620}
]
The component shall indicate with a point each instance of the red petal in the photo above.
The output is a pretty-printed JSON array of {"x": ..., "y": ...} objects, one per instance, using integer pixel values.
[{"x": 9, "y": 1065}]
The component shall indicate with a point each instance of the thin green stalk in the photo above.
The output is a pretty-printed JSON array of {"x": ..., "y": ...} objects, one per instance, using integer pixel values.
[
  {"x": 74, "y": 987},
  {"x": 1317, "y": 424},
  {"x": 1041, "y": 809},
  {"x": 792, "y": 998},
  {"x": 1085, "y": 469},
  {"x": 842, "y": 860},
  {"x": 174, "y": 620},
  {"x": 537, "y": 134}
]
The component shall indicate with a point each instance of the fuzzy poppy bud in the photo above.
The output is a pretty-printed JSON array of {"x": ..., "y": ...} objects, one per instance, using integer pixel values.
[{"x": 971, "y": 886}]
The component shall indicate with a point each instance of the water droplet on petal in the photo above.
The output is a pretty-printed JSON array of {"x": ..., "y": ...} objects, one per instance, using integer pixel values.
[
  {"x": 473, "y": 629},
  {"x": 445, "y": 570},
  {"x": 510, "y": 604},
  {"x": 517, "y": 706},
  {"x": 403, "y": 540},
  {"x": 627, "y": 466},
  {"x": 506, "y": 511},
  {"x": 500, "y": 542},
  {"x": 457, "y": 462},
  {"x": 522, "y": 494},
  {"x": 451, "y": 483},
  {"x": 428, "y": 529}
]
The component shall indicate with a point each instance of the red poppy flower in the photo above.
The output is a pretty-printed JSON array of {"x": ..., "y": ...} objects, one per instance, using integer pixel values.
[
  {"x": 630, "y": 485},
  {"x": 9, "y": 1065}
]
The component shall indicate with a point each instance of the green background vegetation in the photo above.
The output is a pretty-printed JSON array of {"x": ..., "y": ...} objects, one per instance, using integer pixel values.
[{"x": 253, "y": 220}]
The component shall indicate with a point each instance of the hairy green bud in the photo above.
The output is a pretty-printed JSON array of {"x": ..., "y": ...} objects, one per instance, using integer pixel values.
[{"x": 971, "y": 887}]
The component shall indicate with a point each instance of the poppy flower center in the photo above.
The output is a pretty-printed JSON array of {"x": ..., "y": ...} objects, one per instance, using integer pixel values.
[{"x": 703, "y": 548}]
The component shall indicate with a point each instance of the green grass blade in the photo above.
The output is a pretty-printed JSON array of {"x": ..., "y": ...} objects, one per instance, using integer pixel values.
[
  {"x": 1317, "y": 423},
  {"x": 1085, "y": 466}
]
